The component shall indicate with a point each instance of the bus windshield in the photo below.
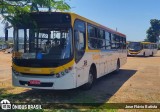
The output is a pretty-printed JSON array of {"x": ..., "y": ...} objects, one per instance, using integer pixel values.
[
  {"x": 44, "y": 43},
  {"x": 135, "y": 46},
  {"x": 49, "y": 44}
]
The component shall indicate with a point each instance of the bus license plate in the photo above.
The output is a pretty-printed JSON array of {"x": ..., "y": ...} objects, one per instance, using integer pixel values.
[{"x": 35, "y": 82}]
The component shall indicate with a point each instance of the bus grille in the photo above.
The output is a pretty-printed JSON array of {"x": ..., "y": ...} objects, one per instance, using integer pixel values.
[
  {"x": 134, "y": 50},
  {"x": 27, "y": 74}
]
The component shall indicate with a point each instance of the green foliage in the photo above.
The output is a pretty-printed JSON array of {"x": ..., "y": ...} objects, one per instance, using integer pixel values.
[
  {"x": 154, "y": 31},
  {"x": 146, "y": 40},
  {"x": 11, "y": 9}
]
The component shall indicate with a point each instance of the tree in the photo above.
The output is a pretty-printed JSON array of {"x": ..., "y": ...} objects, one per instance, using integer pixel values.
[
  {"x": 146, "y": 40},
  {"x": 153, "y": 32},
  {"x": 11, "y": 9}
]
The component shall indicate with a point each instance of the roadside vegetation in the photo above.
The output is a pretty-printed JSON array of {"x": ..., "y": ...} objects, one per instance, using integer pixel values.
[{"x": 153, "y": 32}]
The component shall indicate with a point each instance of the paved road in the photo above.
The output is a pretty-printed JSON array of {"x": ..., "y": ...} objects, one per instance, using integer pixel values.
[{"x": 138, "y": 81}]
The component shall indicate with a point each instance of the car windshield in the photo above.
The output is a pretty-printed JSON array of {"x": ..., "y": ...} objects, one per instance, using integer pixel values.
[
  {"x": 135, "y": 46},
  {"x": 43, "y": 43}
]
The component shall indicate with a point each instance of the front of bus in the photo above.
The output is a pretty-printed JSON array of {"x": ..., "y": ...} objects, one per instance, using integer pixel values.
[
  {"x": 135, "y": 49},
  {"x": 43, "y": 52}
]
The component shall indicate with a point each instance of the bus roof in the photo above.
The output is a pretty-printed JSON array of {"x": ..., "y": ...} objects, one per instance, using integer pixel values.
[
  {"x": 146, "y": 42},
  {"x": 76, "y": 16},
  {"x": 96, "y": 24},
  {"x": 143, "y": 42}
]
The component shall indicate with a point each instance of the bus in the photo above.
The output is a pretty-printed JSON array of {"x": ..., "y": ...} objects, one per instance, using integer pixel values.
[
  {"x": 142, "y": 49},
  {"x": 64, "y": 51}
]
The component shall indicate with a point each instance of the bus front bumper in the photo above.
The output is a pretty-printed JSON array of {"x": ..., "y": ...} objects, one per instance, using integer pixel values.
[
  {"x": 67, "y": 81},
  {"x": 135, "y": 54}
]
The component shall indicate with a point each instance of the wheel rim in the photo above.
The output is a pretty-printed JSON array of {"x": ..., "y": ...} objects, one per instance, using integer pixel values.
[
  {"x": 117, "y": 67},
  {"x": 90, "y": 80}
]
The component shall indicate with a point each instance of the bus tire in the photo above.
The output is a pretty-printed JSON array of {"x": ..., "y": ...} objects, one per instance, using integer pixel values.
[
  {"x": 118, "y": 66},
  {"x": 152, "y": 54},
  {"x": 144, "y": 54},
  {"x": 91, "y": 79}
]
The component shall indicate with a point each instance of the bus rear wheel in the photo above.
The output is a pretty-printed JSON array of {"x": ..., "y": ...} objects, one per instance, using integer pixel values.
[
  {"x": 152, "y": 54},
  {"x": 144, "y": 54},
  {"x": 91, "y": 80},
  {"x": 118, "y": 66}
]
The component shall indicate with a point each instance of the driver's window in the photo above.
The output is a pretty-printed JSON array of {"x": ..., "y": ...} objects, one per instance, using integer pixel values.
[
  {"x": 80, "y": 40},
  {"x": 79, "y": 37}
]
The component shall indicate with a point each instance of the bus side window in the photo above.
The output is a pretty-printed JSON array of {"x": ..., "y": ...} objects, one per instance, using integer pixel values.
[
  {"x": 100, "y": 39},
  {"x": 152, "y": 46},
  {"x": 118, "y": 42},
  {"x": 92, "y": 43},
  {"x": 121, "y": 42},
  {"x": 113, "y": 41},
  {"x": 79, "y": 39},
  {"x": 156, "y": 46},
  {"x": 146, "y": 46},
  {"x": 124, "y": 43},
  {"x": 108, "y": 41}
]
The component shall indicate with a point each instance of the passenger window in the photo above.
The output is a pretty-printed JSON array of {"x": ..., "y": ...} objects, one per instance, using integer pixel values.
[
  {"x": 117, "y": 41},
  {"x": 156, "y": 46},
  {"x": 113, "y": 41},
  {"x": 92, "y": 39},
  {"x": 108, "y": 41},
  {"x": 121, "y": 42},
  {"x": 124, "y": 43},
  {"x": 101, "y": 39},
  {"x": 146, "y": 46}
]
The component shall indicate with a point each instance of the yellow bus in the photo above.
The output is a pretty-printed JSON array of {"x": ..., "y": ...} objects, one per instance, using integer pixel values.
[
  {"x": 142, "y": 48},
  {"x": 65, "y": 51}
]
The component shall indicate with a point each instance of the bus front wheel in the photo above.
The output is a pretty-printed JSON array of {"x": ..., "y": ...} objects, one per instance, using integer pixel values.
[{"x": 91, "y": 80}]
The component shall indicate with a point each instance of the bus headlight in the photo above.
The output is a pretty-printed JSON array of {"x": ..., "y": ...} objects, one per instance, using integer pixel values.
[
  {"x": 15, "y": 72},
  {"x": 57, "y": 75},
  {"x": 61, "y": 74}
]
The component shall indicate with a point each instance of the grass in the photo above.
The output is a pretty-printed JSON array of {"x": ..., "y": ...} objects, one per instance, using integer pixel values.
[
  {"x": 66, "y": 110},
  {"x": 60, "y": 107}
]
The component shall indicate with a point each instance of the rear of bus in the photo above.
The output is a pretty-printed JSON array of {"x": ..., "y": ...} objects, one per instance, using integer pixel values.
[
  {"x": 154, "y": 48},
  {"x": 149, "y": 48}
]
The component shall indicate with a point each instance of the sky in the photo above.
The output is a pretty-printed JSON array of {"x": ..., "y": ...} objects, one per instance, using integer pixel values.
[{"x": 130, "y": 17}]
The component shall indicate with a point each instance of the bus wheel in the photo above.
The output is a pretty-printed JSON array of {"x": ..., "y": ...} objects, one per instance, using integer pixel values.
[
  {"x": 90, "y": 82},
  {"x": 152, "y": 54},
  {"x": 118, "y": 66},
  {"x": 144, "y": 54}
]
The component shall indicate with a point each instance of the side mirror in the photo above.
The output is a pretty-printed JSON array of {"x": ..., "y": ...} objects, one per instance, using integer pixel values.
[{"x": 6, "y": 34}]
